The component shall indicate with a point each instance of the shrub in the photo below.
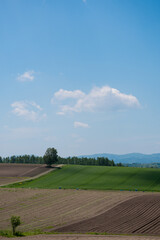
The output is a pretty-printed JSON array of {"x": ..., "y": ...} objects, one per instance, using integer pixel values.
[{"x": 15, "y": 221}]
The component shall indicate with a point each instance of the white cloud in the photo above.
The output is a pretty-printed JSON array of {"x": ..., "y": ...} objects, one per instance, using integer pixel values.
[
  {"x": 26, "y": 76},
  {"x": 80, "y": 124},
  {"x": 28, "y": 110},
  {"x": 84, "y": 1},
  {"x": 98, "y": 99},
  {"x": 64, "y": 94}
]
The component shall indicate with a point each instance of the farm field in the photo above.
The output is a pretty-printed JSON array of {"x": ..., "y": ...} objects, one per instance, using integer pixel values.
[
  {"x": 16, "y": 172},
  {"x": 82, "y": 211},
  {"x": 100, "y": 178},
  {"x": 139, "y": 215},
  {"x": 8, "y": 180},
  {"x": 50, "y": 209}
]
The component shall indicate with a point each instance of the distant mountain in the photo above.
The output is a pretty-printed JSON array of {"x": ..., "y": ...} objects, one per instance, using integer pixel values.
[{"x": 129, "y": 158}]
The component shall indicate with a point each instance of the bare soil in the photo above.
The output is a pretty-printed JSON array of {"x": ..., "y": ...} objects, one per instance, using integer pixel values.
[
  {"x": 139, "y": 215},
  {"x": 21, "y": 170},
  {"x": 12, "y": 172},
  {"x": 49, "y": 209},
  {"x": 8, "y": 180}
]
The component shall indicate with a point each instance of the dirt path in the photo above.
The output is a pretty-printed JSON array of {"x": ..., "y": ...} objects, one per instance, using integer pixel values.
[{"x": 83, "y": 237}]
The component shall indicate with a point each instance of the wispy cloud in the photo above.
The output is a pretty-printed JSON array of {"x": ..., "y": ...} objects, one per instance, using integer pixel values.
[
  {"x": 28, "y": 110},
  {"x": 84, "y": 1},
  {"x": 64, "y": 94},
  {"x": 98, "y": 99},
  {"x": 80, "y": 124},
  {"x": 26, "y": 76}
]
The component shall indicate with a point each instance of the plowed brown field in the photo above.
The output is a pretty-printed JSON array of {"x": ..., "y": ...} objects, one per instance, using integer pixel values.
[
  {"x": 16, "y": 172},
  {"x": 49, "y": 209},
  {"x": 139, "y": 215}
]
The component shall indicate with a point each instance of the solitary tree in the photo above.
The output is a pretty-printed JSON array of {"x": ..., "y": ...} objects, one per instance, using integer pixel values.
[
  {"x": 50, "y": 157},
  {"x": 15, "y": 221}
]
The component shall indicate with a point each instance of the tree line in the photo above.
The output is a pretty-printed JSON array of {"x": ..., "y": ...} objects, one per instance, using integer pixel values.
[
  {"x": 32, "y": 159},
  {"x": 100, "y": 161},
  {"x": 22, "y": 159}
]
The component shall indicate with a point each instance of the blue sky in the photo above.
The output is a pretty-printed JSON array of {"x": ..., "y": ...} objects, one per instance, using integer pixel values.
[{"x": 82, "y": 76}]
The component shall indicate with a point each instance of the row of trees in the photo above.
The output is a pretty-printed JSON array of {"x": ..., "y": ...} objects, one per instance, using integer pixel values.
[
  {"x": 51, "y": 157},
  {"x": 100, "y": 161},
  {"x": 22, "y": 159}
]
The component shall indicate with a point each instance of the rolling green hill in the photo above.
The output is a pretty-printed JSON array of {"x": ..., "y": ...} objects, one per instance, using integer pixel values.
[{"x": 96, "y": 177}]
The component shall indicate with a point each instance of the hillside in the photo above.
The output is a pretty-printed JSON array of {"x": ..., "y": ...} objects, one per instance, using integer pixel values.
[
  {"x": 48, "y": 209},
  {"x": 128, "y": 158},
  {"x": 129, "y": 217},
  {"x": 13, "y": 172},
  {"x": 100, "y": 178}
]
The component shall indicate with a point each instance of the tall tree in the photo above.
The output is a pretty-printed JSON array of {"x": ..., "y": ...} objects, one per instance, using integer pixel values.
[{"x": 50, "y": 157}]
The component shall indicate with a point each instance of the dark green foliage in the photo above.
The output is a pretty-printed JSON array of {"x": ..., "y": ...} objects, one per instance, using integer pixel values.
[
  {"x": 23, "y": 159},
  {"x": 100, "y": 161},
  {"x": 50, "y": 157},
  {"x": 6, "y": 233},
  {"x": 119, "y": 164},
  {"x": 9, "y": 234},
  {"x": 15, "y": 222}
]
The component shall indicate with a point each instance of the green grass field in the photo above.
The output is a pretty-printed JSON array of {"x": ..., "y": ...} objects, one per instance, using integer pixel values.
[{"x": 96, "y": 177}]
